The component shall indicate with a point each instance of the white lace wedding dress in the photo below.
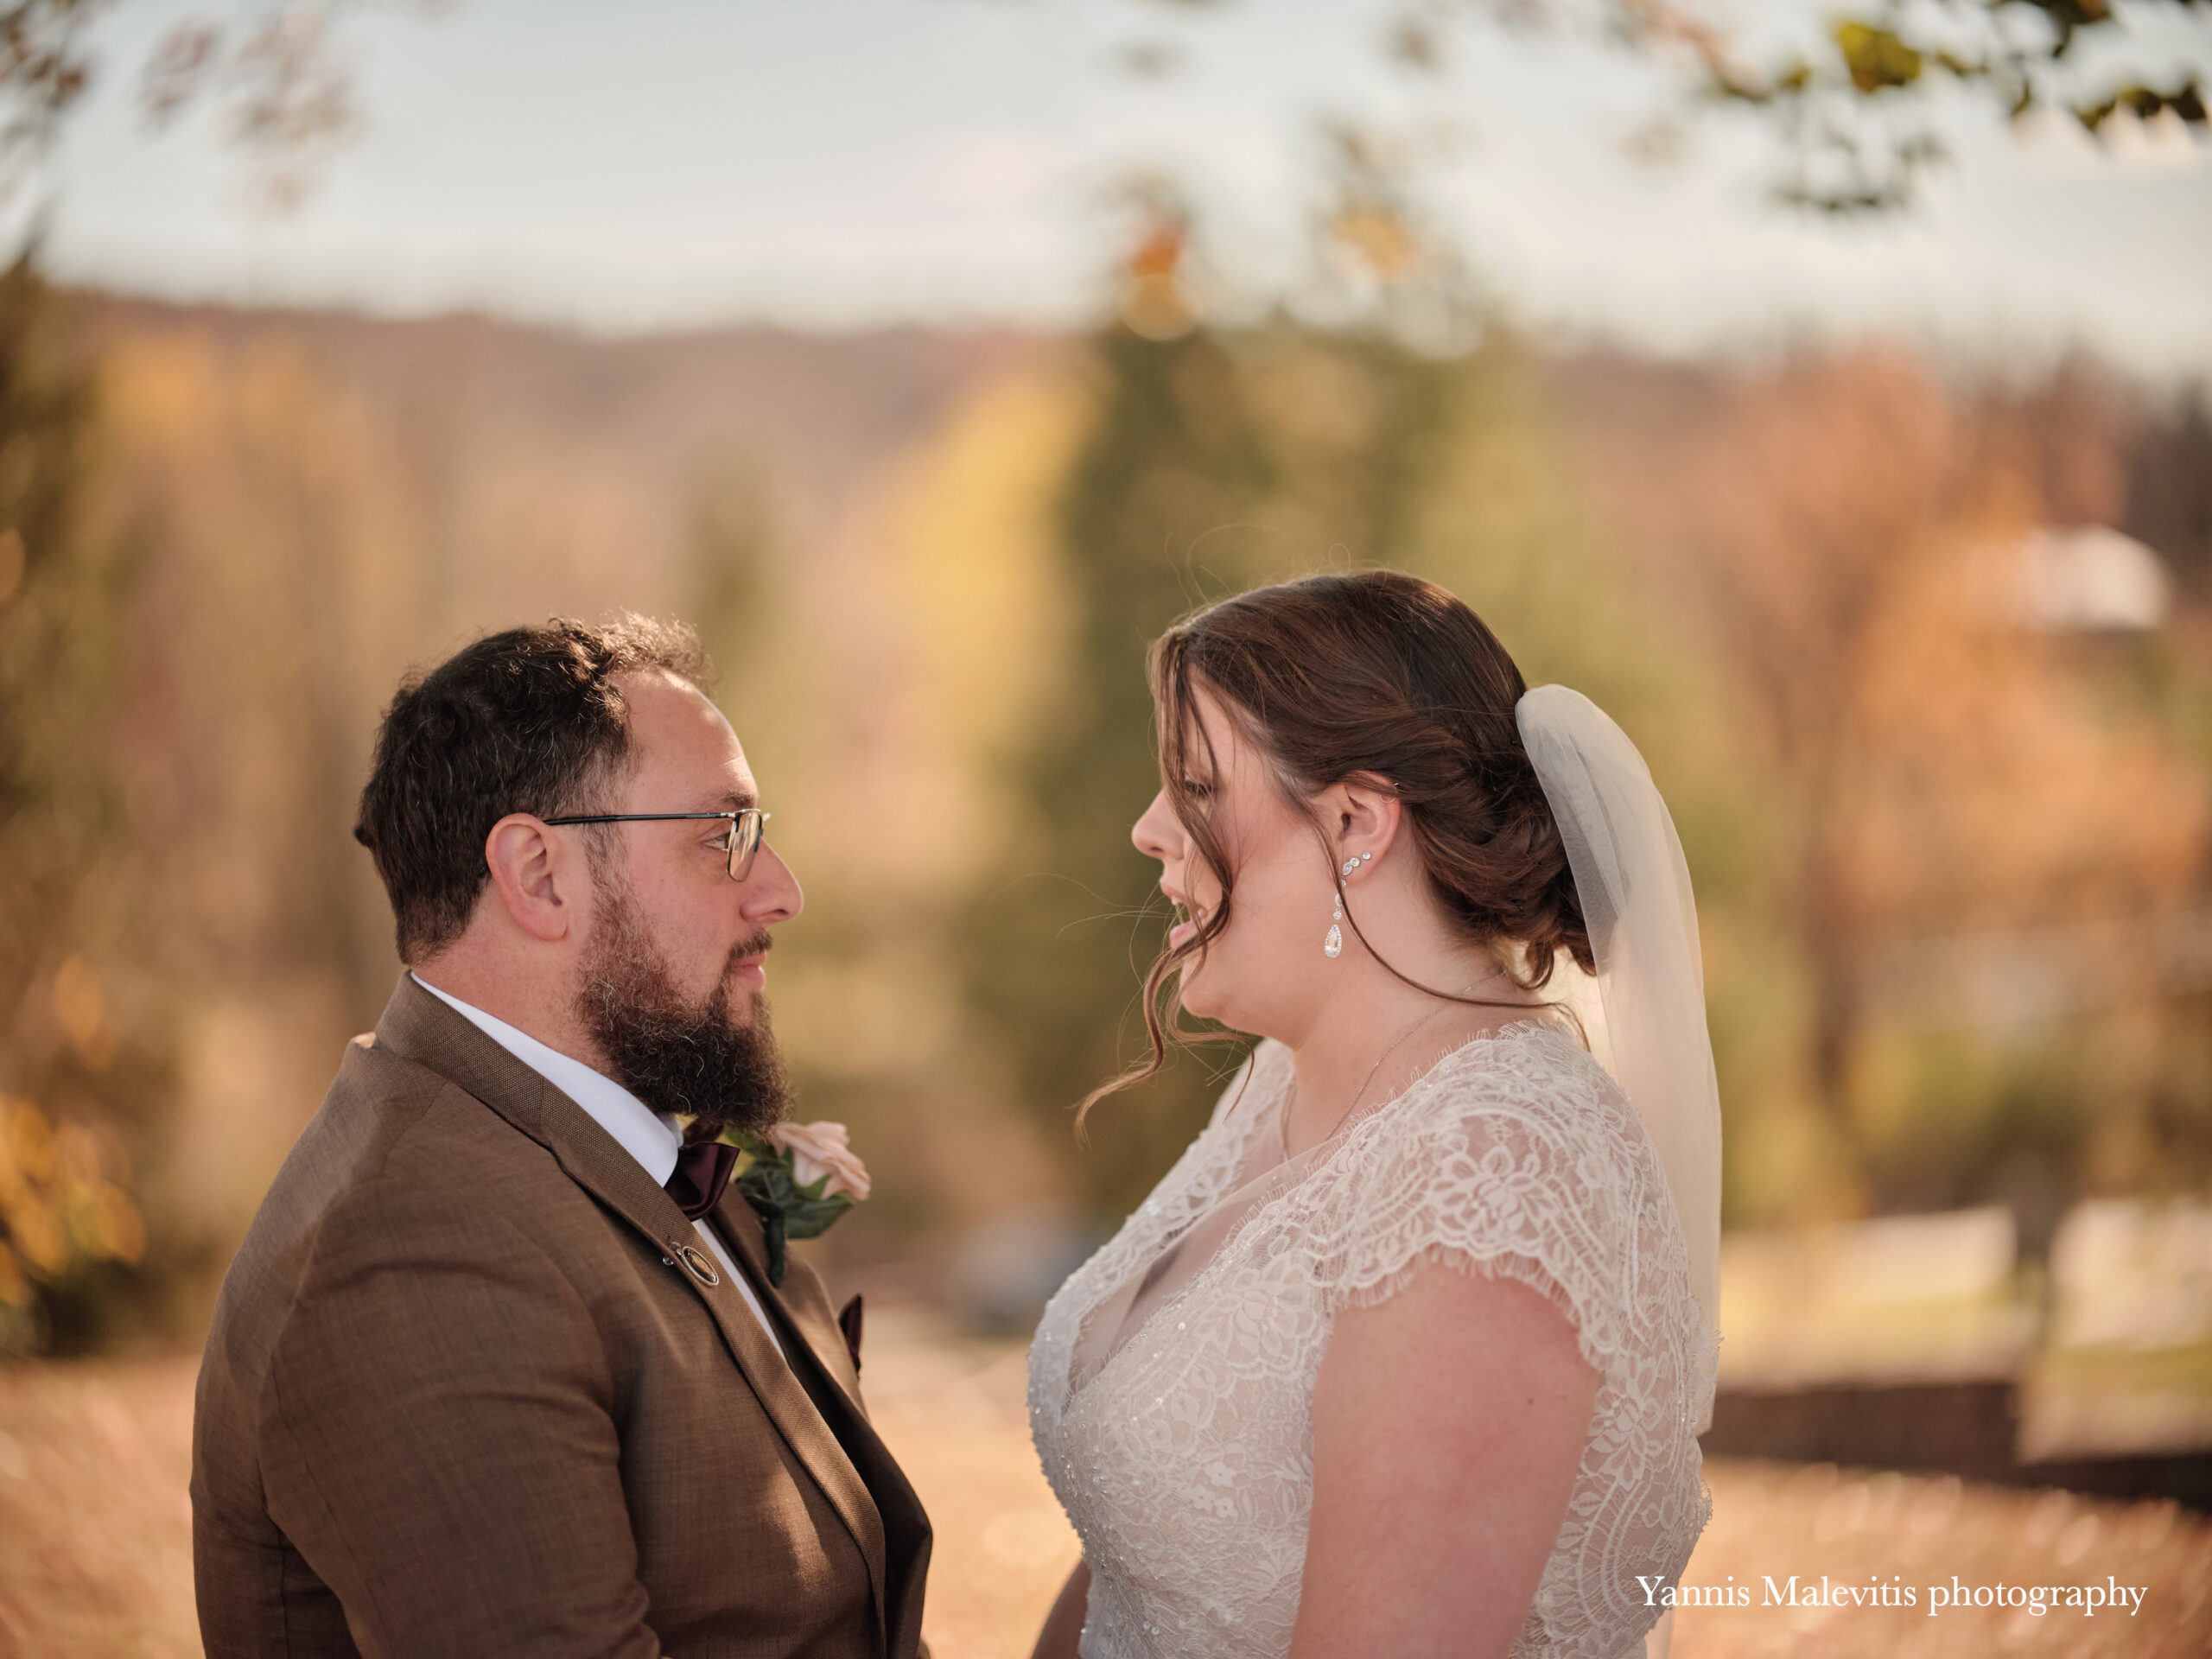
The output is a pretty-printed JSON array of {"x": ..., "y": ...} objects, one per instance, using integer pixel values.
[{"x": 1170, "y": 1383}]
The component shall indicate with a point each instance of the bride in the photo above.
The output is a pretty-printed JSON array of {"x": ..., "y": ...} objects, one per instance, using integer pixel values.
[{"x": 1408, "y": 1352}]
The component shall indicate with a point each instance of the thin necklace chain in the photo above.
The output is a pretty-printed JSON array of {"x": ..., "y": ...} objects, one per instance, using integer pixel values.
[{"x": 1282, "y": 1128}]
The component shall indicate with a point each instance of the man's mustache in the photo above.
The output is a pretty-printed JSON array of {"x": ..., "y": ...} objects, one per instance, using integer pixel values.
[{"x": 758, "y": 945}]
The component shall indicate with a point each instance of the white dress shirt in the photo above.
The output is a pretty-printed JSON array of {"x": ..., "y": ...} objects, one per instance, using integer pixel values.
[{"x": 652, "y": 1138}]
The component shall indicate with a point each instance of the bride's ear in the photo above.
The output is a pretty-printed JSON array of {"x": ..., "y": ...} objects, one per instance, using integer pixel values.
[{"x": 1364, "y": 815}]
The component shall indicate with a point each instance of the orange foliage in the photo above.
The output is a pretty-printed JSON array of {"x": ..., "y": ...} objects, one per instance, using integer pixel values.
[{"x": 1848, "y": 540}]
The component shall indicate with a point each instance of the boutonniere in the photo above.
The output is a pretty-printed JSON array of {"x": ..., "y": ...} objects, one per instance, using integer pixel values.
[{"x": 799, "y": 1178}]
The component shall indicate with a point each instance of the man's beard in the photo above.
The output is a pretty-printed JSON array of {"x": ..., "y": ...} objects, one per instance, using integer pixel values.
[{"x": 684, "y": 1058}]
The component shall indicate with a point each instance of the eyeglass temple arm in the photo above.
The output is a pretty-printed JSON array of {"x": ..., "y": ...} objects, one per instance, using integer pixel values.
[{"x": 651, "y": 817}]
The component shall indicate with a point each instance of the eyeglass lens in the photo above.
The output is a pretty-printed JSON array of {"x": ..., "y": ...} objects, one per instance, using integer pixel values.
[{"x": 744, "y": 842}]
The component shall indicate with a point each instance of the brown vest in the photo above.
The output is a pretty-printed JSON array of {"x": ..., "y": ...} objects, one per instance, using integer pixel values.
[{"x": 463, "y": 1395}]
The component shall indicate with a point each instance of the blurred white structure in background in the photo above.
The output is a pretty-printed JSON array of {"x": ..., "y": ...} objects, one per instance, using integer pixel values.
[
  {"x": 2128, "y": 1368},
  {"x": 2134, "y": 1275},
  {"x": 2092, "y": 578},
  {"x": 1900, "y": 1299},
  {"x": 2123, "y": 1367}
]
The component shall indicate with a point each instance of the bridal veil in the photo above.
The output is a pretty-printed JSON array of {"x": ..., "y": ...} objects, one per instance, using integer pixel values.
[{"x": 1635, "y": 888}]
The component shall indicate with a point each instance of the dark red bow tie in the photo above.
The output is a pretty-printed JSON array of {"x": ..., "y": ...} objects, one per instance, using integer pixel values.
[{"x": 702, "y": 1171}]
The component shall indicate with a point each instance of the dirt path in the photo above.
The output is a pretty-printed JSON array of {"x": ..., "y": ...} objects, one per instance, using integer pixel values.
[{"x": 95, "y": 1539}]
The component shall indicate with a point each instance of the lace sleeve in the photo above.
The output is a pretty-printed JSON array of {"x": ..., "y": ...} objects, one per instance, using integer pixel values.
[{"x": 1526, "y": 1163}]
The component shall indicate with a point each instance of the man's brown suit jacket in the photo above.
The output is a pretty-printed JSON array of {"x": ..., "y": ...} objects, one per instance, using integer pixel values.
[{"x": 463, "y": 1395}]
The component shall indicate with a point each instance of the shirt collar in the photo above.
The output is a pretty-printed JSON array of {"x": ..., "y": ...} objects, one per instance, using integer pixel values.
[{"x": 652, "y": 1138}]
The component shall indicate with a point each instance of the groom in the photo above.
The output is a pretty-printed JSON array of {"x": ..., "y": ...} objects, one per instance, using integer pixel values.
[{"x": 499, "y": 1370}]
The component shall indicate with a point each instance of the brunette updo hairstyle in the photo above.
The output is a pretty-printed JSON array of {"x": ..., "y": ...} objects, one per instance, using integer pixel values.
[{"x": 1380, "y": 674}]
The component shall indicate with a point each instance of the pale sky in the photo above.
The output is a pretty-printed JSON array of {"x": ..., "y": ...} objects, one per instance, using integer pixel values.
[{"x": 841, "y": 163}]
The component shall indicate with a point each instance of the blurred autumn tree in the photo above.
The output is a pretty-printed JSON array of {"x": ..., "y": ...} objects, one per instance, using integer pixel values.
[
  {"x": 1174, "y": 457},
  {"x": 1847, "y": 541},
  {"x": 1821, "y": 550},
  {"x": 73, "y": 1063},
  {"x": 1807, "y": 609},
  {"x": 2168, "y": 490},
  {"x": 84, "y": 1035},
  {"x": 1217, "y": 459}
]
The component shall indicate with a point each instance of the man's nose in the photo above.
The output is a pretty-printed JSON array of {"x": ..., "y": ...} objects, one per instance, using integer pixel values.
[{"x": 771, "y": 891}]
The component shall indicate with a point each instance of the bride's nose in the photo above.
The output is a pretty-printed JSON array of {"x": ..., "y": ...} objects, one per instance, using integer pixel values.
[{"x": 1157, "y": 835}]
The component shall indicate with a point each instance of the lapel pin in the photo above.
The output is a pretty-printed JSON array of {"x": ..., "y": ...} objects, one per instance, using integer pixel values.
[{"x": 695, "y": 1262}]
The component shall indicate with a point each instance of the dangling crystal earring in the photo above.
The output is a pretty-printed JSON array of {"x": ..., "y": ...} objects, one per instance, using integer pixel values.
[{"x": 1334, "y": 945}]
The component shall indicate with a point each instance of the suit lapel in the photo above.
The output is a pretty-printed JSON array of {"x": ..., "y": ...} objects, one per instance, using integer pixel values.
[
  {"x": 418, "y": 1026},
  {"x": 781, "y": 1394},
  {"x": 809, "y": 1331},
  {"x": 737, "y": 1226}
]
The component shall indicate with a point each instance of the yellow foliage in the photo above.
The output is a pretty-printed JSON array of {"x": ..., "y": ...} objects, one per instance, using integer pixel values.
[
  {"x": 57, "y": 1210},
  {"x": 29, "y": 1140},
  {"x": 39, "y": 1236},
  {"x": 1876, "y": 58},
  {"x": 980, "y": 557},
  {"x": 117, "y": 1231},
  {"x": 1384, "y": 243},
  {"x": 980, "y": 614}
]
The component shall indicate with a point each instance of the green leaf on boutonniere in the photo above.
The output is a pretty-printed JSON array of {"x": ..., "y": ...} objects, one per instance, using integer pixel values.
[{"x": 768, "y": 1180}]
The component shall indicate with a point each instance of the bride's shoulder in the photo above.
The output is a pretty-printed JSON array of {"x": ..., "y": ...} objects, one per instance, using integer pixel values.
[
  {"x": 1516, "y": 1153},
  {"x": 1534, "y": 1076}
]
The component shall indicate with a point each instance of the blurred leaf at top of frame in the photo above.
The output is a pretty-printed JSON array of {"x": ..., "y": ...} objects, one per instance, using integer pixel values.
[{"x": 1852, "y": 109}]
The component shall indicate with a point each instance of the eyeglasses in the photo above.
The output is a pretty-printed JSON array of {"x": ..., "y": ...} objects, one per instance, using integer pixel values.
[{"x": 745, "y": 830}]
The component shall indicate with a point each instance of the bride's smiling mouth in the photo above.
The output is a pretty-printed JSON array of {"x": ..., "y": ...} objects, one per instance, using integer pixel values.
[{"x": 1189, "y": 918}]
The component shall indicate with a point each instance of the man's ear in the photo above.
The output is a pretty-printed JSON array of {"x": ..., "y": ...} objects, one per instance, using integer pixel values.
[{"x": 536, "y": 874}]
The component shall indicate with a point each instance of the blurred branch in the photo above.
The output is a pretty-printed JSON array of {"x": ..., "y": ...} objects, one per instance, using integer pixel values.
[
  {"x": 1156, "y": 300},
  {"x": 1854, "y": 111},
  {"x": 277, "y": 67},
  {"x": 44, "y": 71},
  {"x": 1835, "y": 107},
  {"x": 282, "y": 78},
  {"x": 1384, "y": 252},
  {"x": 1380, "y": 260}
]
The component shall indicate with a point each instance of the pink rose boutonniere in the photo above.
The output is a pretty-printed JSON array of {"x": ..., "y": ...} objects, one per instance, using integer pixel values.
[{"x": 799, "y": 1178}]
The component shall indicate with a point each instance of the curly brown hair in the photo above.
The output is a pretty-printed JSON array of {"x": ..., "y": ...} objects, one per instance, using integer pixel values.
[
  {"x": 530, "y": 720},
  {"x": 1382, "y": 674}
]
